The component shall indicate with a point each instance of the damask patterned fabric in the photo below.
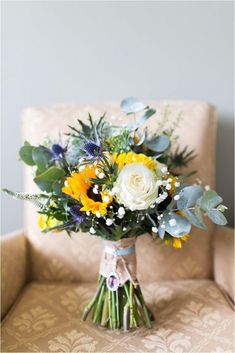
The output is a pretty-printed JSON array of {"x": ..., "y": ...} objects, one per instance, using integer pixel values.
[
  {"x": 224, "y": 271},
  {"x": 190, "y": 316},
  {"x": 57, "y": 257},
  {"x": 13, "y": 268}
]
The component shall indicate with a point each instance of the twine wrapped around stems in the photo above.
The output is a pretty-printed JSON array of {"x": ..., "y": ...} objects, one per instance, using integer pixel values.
[{"x": 124, "y": 265}]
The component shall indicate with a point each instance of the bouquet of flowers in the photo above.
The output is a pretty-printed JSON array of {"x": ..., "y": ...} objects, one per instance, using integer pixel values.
[{"x": 119, "y": 182}]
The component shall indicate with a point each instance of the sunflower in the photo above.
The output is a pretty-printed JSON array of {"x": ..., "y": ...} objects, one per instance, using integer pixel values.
[
  {"x": 131, "y": 157},
  {"x": 79, "y": 187}
]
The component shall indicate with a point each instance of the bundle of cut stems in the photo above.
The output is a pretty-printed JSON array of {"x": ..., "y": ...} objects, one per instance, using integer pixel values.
[{"x": 123, "y": 308}]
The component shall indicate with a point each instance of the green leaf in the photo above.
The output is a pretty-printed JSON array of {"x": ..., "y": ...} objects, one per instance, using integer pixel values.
[
  {"x": 182, "y": 226},
  {"x": 209, "y": 200},
  {"x": 142, "y": 119},
  {"x": 158, "y": 143},
  {"x": 38, "y": 200},
  {"x": 25, "y": 154},
  {"x": 42, "y": 157},
  {"x": 46, "y": 179},
  {"x": 194, "y": 219},
  {"x": 132, "y": 105},
  {"x": 217, "y": 217},
  {"x": 189, "y": 196}
]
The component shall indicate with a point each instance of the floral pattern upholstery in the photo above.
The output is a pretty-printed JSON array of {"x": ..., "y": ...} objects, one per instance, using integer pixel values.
[
  {"x": 191, "y": 312},
  {"x": 190, "y": 316}
]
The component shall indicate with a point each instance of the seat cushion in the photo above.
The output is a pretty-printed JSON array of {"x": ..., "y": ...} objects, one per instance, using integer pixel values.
[
  {"x": 56, "y": 256},
  {"x": 190, "y": 316}
]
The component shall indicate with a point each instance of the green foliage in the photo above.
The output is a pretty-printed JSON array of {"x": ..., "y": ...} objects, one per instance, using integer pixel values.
[
  {"x": 25, "y": 154},
  {"x": 38, "y": 200},
  {"x": 141, "y": 120},
  {"x": 210, "y": 203},
  {"x": 48, "y": 178},
  {"x": 42, "y": 157},
  {"x": 119, "y": 143},
  {"x": 158, "y": 143},
  {"x": 181, "y": 158},
  {"x": 132, "y": 105},
  {"x": 189, "y": 196},
  {"x": 179, "y": 229}
]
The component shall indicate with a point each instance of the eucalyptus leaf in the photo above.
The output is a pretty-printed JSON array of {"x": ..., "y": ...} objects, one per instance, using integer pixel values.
[
  {"x": 217, "y": 217},
  {"x": 46, "y": 179},
  {"x": 141, "y": 120},
  {"x": 179, "y": 228},
  {"x": 42, "y": 157},
  {"x": 161, "y": 232},
  {"x": 132, "y": 105},
  {"x": 189, "y": 196},
  {"x": 25, "y": 154},
  {"x": 194, "y": 219},
  {"x": 209, "y": 200},
  {"x": 158, "y": 143}
]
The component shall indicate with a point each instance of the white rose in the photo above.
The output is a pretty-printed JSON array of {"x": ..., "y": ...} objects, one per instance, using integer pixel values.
[{"x": 136, "y": 187}]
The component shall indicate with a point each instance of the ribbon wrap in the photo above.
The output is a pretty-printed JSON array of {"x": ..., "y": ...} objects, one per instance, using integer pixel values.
[{"x": 119, "y": 257}]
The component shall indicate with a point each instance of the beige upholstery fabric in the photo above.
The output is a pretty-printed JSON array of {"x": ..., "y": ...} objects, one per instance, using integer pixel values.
[
  {"x": 224, "y": 259},
  {"x": 191, "y": 316},
  {"x": 57, "y": 257},
  {"x": 13, "y": 268}
]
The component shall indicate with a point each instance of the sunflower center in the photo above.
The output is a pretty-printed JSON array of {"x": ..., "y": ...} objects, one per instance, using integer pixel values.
[{"x": 93, "y": 196}]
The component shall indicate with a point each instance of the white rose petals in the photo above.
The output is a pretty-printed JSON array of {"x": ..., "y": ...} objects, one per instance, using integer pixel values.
[
  {"x": 168, "y": 186},
  {"x": 98, "y": 215},
  {"x": 177, "y": 184},
  {"x": 109, "y": 222},
  {"x": 137, "y": 189},
  {"x": 92, "y": 230},
  {"x": 154, "y": 229}
]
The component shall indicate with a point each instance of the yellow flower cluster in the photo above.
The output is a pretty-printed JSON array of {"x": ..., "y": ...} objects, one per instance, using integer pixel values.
[
  {"x": 45, "y": 222},
  {"x": 131, "y": 157}
]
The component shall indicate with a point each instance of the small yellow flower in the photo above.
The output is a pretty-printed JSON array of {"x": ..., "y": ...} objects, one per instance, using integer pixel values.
[
  {"x": 132, "y": 157},
  {"x": 177, "y": 242},
  {"x": 45, "y": 222}
]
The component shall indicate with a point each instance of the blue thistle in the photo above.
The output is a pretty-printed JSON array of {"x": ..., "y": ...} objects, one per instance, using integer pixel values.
[
  {"x": 58, "y": 151},
  {"x": 92, "y": 149},
  {"x": 77, "y": 215}
]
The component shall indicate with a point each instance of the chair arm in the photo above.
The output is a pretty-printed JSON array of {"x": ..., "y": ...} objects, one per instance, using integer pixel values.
[
  {"x": 224, "y": 259},
  {"x": 13, "y": 268}
]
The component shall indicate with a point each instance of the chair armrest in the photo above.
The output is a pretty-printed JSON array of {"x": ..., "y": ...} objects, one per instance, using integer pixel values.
[
  {"x": 13, "y": 268},
  {"x": 224, "y": 259}
]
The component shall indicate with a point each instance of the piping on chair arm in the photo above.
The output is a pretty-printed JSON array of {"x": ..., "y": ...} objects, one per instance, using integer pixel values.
[
  {"x": 224, "y": 259},
  {"x": 13, "y": 267}
]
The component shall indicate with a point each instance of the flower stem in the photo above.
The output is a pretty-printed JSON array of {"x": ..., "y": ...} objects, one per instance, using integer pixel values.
[{"x": 93, "y": 301}]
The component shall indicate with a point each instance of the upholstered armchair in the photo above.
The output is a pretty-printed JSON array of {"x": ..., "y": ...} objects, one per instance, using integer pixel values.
[{"x": 47, "y": 279}]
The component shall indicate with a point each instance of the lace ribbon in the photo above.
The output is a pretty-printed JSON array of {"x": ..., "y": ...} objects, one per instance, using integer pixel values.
[{"x": 119, "y": 257}]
